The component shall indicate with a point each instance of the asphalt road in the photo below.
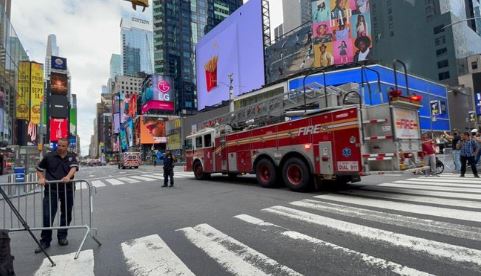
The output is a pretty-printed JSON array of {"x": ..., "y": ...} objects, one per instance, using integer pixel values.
[{"x": 386, "y": 225}]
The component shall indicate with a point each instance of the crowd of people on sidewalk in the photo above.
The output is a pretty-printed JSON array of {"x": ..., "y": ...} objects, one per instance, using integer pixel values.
[{"x": 466, "y": 150}]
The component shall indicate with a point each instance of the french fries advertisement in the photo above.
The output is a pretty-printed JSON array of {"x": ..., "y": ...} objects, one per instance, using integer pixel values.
[{"x": 211, "y": 73}]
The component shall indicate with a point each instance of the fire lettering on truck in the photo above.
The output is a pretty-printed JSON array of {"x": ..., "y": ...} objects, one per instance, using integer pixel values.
[
  {"x": 315, "y": 129},
  {"x": 342, "y": 115}
]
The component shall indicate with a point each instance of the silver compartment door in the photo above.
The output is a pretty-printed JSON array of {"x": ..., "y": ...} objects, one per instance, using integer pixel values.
[
  {"x": 233, "y": 162},
  {"x": 325, "y": 158}
]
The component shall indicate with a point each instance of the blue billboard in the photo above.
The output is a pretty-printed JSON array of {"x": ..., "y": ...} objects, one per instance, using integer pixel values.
[
  {"x": 430, "y": 91},
  {"x": 58, "y": 63},
  {"x": 232, "y": 53}
]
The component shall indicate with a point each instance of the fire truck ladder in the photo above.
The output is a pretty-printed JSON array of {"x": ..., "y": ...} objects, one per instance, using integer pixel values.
[{"x": 318, "y": 98}]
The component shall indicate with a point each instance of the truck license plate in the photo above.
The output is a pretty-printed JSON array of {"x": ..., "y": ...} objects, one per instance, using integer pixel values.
[{"x": 347, "y": 166}]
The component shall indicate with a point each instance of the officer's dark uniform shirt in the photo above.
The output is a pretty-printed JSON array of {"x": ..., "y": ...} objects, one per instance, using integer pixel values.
[
  {"x": 168, "y": 162},
  {"x": 55, "y": 167}
]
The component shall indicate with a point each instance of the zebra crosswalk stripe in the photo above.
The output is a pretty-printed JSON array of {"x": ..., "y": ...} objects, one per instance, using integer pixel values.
[
  {"x": 371, "y": 261},
  {"x": 143, "y": 178},
  {"x": 460, "y": 254},
  {"x": 439, "y": 184},
  {"x": 448, "y": 180},
  {"x": 234, "y": 256},
  {"x": 422, "y": 192},
  {"x": 405, "y": 207},
  {"x": 98, "y": 183},
  {"x": 417, "y": 199},
  {"x": 431, "y": 188},
  {"x": 444, "y": 228},
  {"x": 114, "y": 181},
  {"x": 150, "y": 255},
  {"x": 129, "y": 180},
  {"x": 67, "y": 265}
]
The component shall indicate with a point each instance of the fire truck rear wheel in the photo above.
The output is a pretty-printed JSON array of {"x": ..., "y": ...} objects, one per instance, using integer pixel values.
[
  {"x": 296, "y": 175},
  {"x": 266, "y": 173}
]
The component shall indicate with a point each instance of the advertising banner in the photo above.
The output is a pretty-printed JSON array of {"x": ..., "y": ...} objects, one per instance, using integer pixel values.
[
  {"x": 37, "y": 92},
  {"x": 173, "y": 141},
  {"x": 152, "y": 130},
  {"x": 2, "y": 118},
  {"x": 58, "y": 106},
  {"x": 58, "y": 129},
  {"x": 73, "y": 121},
  {"x": 58, "y": 84},
  {"x": 23, "y": 91},
  {"x": 116, "y": 123},
  {"x": 59, "y": 63},
  {"x": 160, "y": 96},
  {"x": 233, "y": 50}
]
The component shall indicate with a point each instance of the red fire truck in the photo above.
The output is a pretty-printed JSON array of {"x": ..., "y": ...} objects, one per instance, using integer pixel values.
[{"x": 337, "y": 140}]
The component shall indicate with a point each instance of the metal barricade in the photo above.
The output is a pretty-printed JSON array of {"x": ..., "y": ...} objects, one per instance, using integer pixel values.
[{"x": 55, "y": 206}]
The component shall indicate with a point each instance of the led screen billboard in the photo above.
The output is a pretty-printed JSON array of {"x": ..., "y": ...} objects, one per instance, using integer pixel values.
[
  {"x": 58, "y": 63},
  {"x": 58, "y": 129},
  {"x": 152, "y": 130},
  {"x": 58, "y": 84},
  {"x": 58, "y": 106},
  {"x": 159, "y": 96},
  {"x": 233, "y": 48}
]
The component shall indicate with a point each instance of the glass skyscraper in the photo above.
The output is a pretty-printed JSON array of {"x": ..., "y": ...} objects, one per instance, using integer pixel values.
[
  {"x": 136, "y": 41},
  {"x": 178, "y": 25}
]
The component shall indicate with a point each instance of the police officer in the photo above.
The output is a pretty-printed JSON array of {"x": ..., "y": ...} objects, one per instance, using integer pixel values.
[
  {"x": 169, "y": 161},
  {"x": 60, "y": 165}
]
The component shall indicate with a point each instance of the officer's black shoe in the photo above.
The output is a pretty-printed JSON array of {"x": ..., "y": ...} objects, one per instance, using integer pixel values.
[
  {"x": 43, "y": 245},
  {"x": 164, "y": 186},
  {"x": 63, "y": 242}
]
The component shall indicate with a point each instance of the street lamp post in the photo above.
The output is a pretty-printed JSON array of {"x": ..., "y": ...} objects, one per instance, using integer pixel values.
[{"x": 460, "y": 21}]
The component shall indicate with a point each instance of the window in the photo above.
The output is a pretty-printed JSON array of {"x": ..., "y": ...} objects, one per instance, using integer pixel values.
[
  {"x": 208, "y": 140},
  {"x": 474, "y": 65},
  {"x": 198, "y": 142},
  {"x": 188, "y": 144},
  {"x": 444, "y": 76},
  {"x": 440, "y": 40},
  {"x": 441, "y": 52},
  {"x": 438, "y": 29},
  {"x": 443, "y": 64}
]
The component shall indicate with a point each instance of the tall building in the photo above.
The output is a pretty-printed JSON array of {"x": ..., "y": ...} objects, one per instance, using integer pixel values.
[
  {"x": 278, "y": 31},
  {"x": 52, "y": 50},
  {"x": 295, "y": 13},
  {"x": 178, "y": 25},
  {"x": 6, "y": 7},
  {"x": 429, "y": 36},
  {"x": 115, "y": 65},
  {"x": 136, "y": 43}
]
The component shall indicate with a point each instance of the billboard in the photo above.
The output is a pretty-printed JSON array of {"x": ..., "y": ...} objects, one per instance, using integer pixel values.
[
  {"x": 58, "y": 63},
  {"x": 159, "y": 96},
  {"x": 73, "y": 121},
  {"x": 58, "y": 106},
  {"x": 58, "y": 129},
  {"x": 58, "y": 84},
  {"x": 231, "y": 53},
  {"x": 23, "y": 91},
  {"x": 152, "y": 130},
  {"x": 37, "y": 91}
]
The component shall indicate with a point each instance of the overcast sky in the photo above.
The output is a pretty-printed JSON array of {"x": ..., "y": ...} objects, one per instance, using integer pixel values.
[{"x": 88, "y": 32}]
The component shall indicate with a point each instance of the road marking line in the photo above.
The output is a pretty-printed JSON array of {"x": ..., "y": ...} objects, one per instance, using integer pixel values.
[
  {"x": 143, "y": 178},
  {"x": 234, "y": 256},
  {"x": 442, "y": 184},
  {"x": 91, "y": 175},
  {"x": 431, "y": 187},
  {"x": 98, "y": 183},
  {"x": 129, "y": 180},
  {"x": 447, "y": 180},
  {"x": 371, "y": 261},
  {"x": 114, "y": 181},
  {"x": 150, "y": 255},
  {"x": 422, "y": 192},
  {"x": 67, "y": 265},
  {"x": 406, "y": 207},
  {"x": 416, "y": 198},
  {"x": 437, "y": 249},
  {"x": 444, "y": 228}
]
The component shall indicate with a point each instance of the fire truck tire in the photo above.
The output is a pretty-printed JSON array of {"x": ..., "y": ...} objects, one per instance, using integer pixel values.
[
  {"x": 199, "y": 171},
  {"x": 266, "y": 173},
  {"x": 296, "y": 175}
]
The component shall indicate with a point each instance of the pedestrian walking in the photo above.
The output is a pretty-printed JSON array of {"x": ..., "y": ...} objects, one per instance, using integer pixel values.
[
  {"x": 477, "y": 139},
  {"x": 429, "y": 154},
  {"x": 467, "y": 147},
  {"x": 169, "y": 162},
  {"x": 454, "y": 139},
  {"x": 60, "y": 165}
]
